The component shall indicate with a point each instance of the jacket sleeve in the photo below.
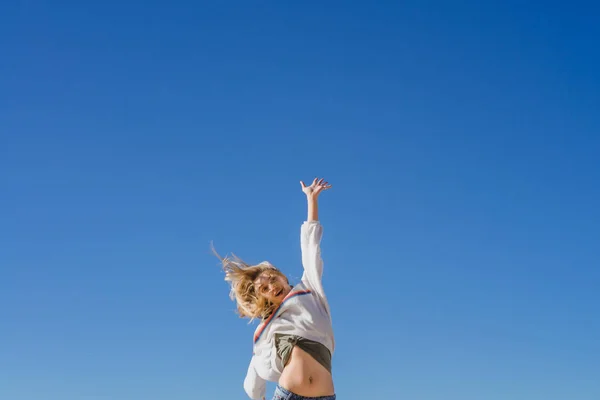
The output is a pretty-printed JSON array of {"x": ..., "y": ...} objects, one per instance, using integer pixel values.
[
  {"x": 311, "y": 233},
  {"x": 254, "y": 385}
]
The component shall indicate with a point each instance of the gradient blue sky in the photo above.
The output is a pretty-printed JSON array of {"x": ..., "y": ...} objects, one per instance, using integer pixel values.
[{"x": 462, "y": 235}]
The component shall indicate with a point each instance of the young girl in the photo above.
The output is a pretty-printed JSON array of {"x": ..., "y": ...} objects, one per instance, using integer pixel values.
[{"x": 294, "y": 342}]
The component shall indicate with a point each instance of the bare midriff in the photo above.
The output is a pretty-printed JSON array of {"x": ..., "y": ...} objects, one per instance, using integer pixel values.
[{"x": 304, "y": 376}]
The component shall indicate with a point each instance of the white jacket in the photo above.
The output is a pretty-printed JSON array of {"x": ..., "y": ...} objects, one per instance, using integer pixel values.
[{"x": 304, "y": 312}]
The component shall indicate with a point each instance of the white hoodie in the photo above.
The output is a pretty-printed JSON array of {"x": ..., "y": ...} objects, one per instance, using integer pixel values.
[{"x": 304, "y": 312}]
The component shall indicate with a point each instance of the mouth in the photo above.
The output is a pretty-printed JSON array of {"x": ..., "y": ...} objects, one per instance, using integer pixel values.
[{"x": 279, "y": 293}]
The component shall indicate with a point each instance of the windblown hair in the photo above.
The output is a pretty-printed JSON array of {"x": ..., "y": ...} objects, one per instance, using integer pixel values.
[{"x": 241, "y": 276}]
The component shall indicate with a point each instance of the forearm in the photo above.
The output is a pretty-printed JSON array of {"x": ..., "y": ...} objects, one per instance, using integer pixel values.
[
  {"x": 313, "y": 208},
  {"x": 312, "y": 194},
  {"x": 310, "y": 243}
]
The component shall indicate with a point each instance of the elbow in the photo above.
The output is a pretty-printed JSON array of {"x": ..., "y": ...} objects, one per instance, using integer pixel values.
[{"x": 254, "y": 391}]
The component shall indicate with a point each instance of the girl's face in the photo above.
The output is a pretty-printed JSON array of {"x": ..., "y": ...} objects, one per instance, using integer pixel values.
[{"x": 272, "y": 285}]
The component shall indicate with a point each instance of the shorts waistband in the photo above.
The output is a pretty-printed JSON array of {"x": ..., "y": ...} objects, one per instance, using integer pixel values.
[{"x": 282, "y": 393}]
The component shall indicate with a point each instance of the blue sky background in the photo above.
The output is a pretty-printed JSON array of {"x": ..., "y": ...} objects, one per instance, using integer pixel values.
[{"x": 462, "y": 234}]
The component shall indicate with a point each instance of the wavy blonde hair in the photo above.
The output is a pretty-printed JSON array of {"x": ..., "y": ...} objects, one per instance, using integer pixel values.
[{"x": 241, "y": 277}]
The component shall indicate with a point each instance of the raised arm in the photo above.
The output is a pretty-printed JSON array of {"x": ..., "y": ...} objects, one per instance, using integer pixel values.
[
  {"x": 312, "y": 195},
  {"x": 310, "y": 237}
]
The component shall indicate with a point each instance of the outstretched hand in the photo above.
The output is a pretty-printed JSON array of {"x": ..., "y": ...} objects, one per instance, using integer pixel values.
[{"x": 316, "y": 187}]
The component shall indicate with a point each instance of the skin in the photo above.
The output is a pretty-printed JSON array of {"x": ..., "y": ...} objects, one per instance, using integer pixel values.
[
  {"x": 272, "y": 286},
  {"x": 302, "y": 374}
]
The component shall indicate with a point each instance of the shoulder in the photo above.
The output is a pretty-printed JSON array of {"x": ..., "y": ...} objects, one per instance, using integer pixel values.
[
  {"x": 300, "y": 286},
  {"x": 300, "y": 289}
]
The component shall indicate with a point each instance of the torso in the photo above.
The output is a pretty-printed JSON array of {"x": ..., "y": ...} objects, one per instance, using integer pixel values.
[
  {"x": 305, "y": 316},
  {"x": 304, "y": 376}
]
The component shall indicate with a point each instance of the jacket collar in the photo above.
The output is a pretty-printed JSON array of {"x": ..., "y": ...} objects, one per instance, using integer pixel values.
[{"x": 293, "y": 293}]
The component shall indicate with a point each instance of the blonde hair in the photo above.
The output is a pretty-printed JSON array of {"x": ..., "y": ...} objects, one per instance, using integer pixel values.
[{"x": 241, "y": 276}]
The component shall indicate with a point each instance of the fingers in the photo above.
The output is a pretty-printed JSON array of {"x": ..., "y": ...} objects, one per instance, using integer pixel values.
[
  {"x": 322, "y": 184},
  {"x": 318, "y": 181},
  {"x": 318, "y": 184}
]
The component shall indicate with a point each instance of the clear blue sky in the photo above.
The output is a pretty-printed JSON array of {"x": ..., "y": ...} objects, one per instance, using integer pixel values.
[{"x": 462, "y": 235}]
